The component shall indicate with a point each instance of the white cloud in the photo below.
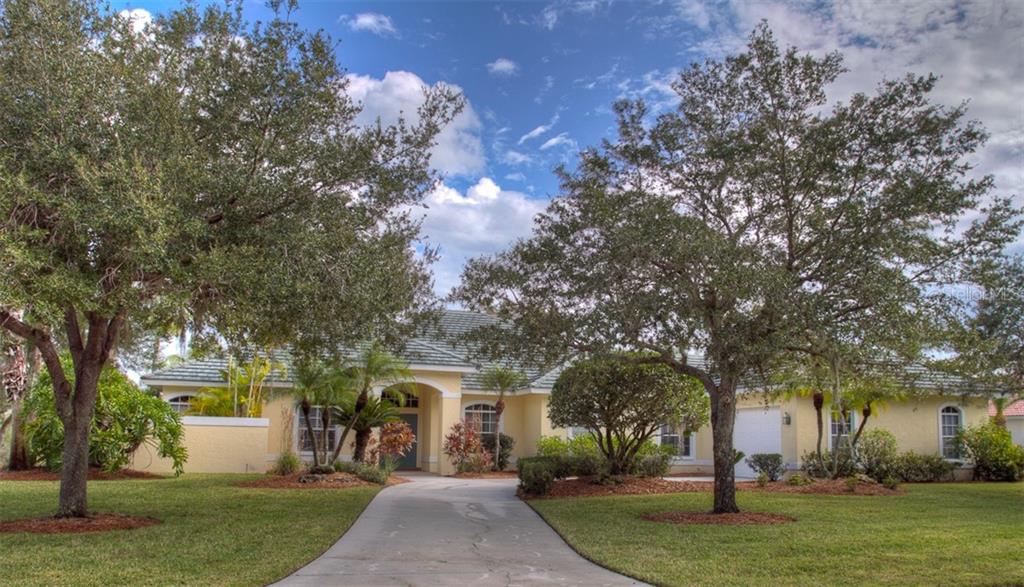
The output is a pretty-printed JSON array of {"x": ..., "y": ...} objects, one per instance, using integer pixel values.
[
  {"x": 485, "y": 219},
  {"x": 515, "y": 177},
  {"x": 371, "y": 22},
  {"x": 516, "y": 158},
  {"x": 539, "y": 130},
  {"x": 503, "y": 67},
  {"x": 549, "y": 82},
  {"x": 139, "y": 17},
  {"x": 559, "y": 140},
  {"x": 459, "y": 150}
]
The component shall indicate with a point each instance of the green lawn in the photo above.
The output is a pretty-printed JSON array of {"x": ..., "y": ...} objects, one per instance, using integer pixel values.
[
  {"x": 934, "y": 535},
  {"x": 212, "y": 532}
]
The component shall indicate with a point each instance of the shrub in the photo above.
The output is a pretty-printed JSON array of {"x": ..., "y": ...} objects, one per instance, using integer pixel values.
[
  {"x": 537, "y": 474},
  {"x": 798, "y": 480},
  {"x": 890, "y": 482},
  {"x": 286, "y": 464},
  {"x": 479, "y": 462},
  {"x": 345, "y": 467},
  {"x": 584, "y": 445},
  {"x": 124, "y": 419},
  {"x": 372, "y": 474},
  {"x": 465, "y": 448},
  {"x": 768, "y": 464},
  {"x": 991, "y": 449},
  {"x": 877, "y": 453},
  {"x": 552, "y": 446},
  {"x": 396, "y": 439},
  {"x": 584, "y": 465},
  {"x": 321, "y": 470},
  {"x": 913, "y": 467},
  {"x": 762, "y": 479},
  {"x": 507, "y": 444},
  {"x": 655, "y": 465},
  {"x": 845, "y": 466}
]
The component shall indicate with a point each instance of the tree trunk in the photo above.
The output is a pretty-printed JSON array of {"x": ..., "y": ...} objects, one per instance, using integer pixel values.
[
  {"x": 19, "y": 447},
  {"x": 499, "y": 407},
  {"x": 819, "y": 404},
  {"x": 306, "y": 409},
  {"x": 74, "y": 471},
  {"x": 865, "y": 414},
  {"x": 362, "y": 441},
  {"x": 723, "y": 419},
  {"x": 361, "y": 401}
]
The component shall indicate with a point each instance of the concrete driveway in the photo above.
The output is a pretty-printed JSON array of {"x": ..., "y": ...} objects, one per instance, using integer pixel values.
[{"x": 443, "y": 531}]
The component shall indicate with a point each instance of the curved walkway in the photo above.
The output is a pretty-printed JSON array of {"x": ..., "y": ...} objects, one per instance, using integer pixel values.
[{"x": 444, "y": 531}]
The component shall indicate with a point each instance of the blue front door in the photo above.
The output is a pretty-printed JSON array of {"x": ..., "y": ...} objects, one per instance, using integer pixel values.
[{"x": 409, "y": 460}]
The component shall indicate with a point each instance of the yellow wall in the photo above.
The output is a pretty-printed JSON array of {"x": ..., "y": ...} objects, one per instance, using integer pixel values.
[{"x": 218, "y": 448}]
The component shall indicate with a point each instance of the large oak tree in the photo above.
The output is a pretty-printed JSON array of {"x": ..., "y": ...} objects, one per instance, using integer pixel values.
[
  {"x": 201, "y": 170},
  {"x": 750, "y": 216}
]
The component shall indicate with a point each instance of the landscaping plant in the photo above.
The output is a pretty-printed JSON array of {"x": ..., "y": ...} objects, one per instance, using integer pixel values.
[
  {"x": 464, "y": 448},
  {"x": 914, "y": 467},
  {"x": 877, "y": 455},
  {"x": 770, "y": 465},
  {"x": 503, "y": 454},
  {"x": 501, "y": 380},
  {"x": 124, "y": 420},
  {"x": 992, "y": 451}
]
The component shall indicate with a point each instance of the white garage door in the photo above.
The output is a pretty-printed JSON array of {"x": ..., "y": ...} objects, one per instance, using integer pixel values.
[{"x": 757, "y": 430}]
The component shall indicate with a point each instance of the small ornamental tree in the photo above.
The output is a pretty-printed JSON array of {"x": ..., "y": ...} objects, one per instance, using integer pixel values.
[
  {"x": 623, "y": 403},
  {"x": 501, "y": 380}
]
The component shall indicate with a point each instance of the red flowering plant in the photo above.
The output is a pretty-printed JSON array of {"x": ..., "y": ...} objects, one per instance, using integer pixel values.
[
  {"x": 396, "y": 439},
  {"x": 465, "y": 448}
]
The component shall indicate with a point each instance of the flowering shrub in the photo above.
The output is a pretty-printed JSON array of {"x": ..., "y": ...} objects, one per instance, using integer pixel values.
[
  {"x": 465, "y": 448},
  {"x": 396, "y": 439}
]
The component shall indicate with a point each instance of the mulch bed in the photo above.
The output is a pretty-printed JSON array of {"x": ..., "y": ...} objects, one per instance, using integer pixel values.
[
  {"x": 94, "y": 523},
  {"x": 332, "y": 481},
  {"x": 487, "y": 475},
  {"x": 94, "y": 475},
  {"x": 584, "y": 487},
  {"x": 740, "y": 519}
]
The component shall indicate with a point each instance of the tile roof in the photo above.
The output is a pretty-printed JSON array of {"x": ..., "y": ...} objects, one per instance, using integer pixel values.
[
  {"x": 1014, "y": 410},
  {"x": 443, "y": 345}
]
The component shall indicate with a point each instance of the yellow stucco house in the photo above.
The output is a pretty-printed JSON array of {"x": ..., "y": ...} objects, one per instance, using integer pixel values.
[{"x": 449, "y": 388}]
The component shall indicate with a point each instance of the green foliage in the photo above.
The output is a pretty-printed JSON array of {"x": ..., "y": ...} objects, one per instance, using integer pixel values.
[
  {"x": 877, "y": 454},
  {"x": 243, "y": 395},
  {"x": 537, "y": 474},
  {"x": 553, "y": 446},
  {"x": 507, "y": 444},
  {"x": 890, "y": 482},
  {"x": 345, "y": 467},
  {"x": 125, "y": 420},
  {"x": 798, "y": 480},
  {"x": 763, "y": 479},
  {"x": 993, "y": 452},
  {"x": 655, "y": 465},
  {"x": 286, "y": 464},
  {"x": 372, "y": 473},
  {"x": 913, "y": 467},
  {"x": 769, "y": 464},
  {"x": 827, "y": 468},
  {"x": 631, "y": 400}
]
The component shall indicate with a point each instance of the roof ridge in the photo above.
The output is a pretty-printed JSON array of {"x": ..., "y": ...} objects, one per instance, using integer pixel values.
[{"x": 448, "y": 352}]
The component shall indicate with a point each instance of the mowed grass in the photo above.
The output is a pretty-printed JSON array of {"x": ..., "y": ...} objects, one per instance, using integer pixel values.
[
  {"x": 948, "y": 534},
  {"x": 213, "y": 533}
]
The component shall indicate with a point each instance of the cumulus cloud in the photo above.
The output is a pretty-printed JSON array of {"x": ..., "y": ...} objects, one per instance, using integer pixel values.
[
  {"x": 459, "y": 150},
  {"x": 558, "y": 141},
  {"x": 503, "y": 67},
  {"x": 371, "y": 22},
  {"x": 139, "y": 17},
  {"x": 483, "y": 220}
]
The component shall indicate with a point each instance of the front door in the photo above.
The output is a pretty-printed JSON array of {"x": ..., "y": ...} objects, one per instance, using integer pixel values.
[{"x": 409, "y": 460}]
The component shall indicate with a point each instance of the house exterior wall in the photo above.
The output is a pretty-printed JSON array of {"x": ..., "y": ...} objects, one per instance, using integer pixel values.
[
  {"x": 1015, "y": 424},
  {"x": 214, "y": 445}
]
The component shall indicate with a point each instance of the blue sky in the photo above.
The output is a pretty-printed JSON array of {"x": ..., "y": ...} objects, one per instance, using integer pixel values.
[{"x": 539, "y": 78}]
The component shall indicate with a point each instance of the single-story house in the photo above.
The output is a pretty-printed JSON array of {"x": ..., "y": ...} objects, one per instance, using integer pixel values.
[{"x": 449, "y": 388}]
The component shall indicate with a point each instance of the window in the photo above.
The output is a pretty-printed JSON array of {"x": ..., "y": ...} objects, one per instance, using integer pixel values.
[
  {"x": 950, "y": 422},
  {"x": 390, "y": 395},
  {"x": 482, "y": 417},
  {"x": 681, "y": 442},
  {"x": 180, "y": 403},
  {"x": 838, "y": 436},
  {"x": 305, "y": 443}
]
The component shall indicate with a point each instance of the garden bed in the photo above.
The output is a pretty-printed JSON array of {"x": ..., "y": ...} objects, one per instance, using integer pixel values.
[
  {"x": 94, "y": 475},
  {"x": 93, "y": 523},
  {"x": 332, "y": 481},
  {"x": 585, "y": 487},
  {"x": 487, "y": 475},
  {"x": 737, "y": 519}
]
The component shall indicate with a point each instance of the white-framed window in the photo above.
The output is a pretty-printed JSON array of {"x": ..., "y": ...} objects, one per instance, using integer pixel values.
[
  {"x": 837, "y": 436},
  {"x": 951, "y": 419},
  {"x": 677, "y": 438},
  {"x": 180, "y": 403},
  {"x": 305, "y": 443},
  {"x": 482, "y": 417}
]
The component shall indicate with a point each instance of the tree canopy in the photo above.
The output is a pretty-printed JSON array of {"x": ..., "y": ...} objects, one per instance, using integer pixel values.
[
  {"x": 752, "y": 221},
  {"x": 201, "y": 170}
]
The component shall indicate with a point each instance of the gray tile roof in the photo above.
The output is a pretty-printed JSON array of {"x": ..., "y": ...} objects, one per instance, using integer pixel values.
[{"x": 442, "y": 345}]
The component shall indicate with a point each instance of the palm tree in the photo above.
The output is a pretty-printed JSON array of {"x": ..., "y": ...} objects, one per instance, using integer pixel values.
[
  {"x": 501, "y": 380},
  {"x": 1000, "y": 403},
  {"x": 377, "y": 412},
  {"x": 316, "y": 385},
  {"x": 374, "y": 367}
]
